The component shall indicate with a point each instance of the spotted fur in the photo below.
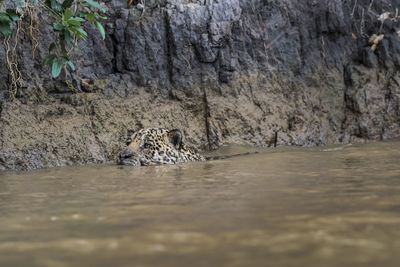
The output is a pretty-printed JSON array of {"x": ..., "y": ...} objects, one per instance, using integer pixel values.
[{"x": 156, "y": 146}]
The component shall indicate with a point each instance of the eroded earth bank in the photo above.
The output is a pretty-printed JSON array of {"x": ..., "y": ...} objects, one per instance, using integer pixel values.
[{"x": 261, "y": 72}]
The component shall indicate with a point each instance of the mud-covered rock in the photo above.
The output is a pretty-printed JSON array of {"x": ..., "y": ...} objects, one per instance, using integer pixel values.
[{"x": 262, "y": 72}]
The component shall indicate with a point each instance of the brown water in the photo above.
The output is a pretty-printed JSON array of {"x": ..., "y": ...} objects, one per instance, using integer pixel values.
[{"x": 332, "y": 206}]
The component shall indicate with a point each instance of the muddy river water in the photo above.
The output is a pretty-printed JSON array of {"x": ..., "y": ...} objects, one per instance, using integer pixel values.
[{"x": 326, "y": 206}]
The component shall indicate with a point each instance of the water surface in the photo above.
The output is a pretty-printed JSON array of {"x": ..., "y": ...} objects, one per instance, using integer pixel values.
[{"x": 330, "y": 206}]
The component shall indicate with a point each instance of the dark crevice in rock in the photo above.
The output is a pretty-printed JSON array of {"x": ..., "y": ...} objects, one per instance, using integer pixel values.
[
  {"x": 169, "y": 47},
  {"x": 347, "y": 76},
  {"x": 115, "y": 53},
  {"x": 207, "y": 119}
]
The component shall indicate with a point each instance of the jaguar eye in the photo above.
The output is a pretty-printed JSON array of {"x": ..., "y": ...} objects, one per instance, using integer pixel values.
[
  {"x": 128, "y": 142},
  {"x": 146, "y": 145}
]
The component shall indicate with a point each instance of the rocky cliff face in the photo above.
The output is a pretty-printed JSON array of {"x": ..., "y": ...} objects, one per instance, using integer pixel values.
[{"x": 262, "y": 72}]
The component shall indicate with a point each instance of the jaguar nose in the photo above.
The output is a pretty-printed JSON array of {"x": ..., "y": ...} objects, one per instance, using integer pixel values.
[{"x": 125, "y": 154}]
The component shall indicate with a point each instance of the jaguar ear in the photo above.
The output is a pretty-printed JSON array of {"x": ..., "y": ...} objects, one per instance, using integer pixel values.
[{"x": 175, "y": 137}]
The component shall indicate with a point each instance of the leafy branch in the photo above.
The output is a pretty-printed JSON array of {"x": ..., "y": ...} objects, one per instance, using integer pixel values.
[
  {"x": 68, "y": 24},
  {"x": 69, "y": 17}
]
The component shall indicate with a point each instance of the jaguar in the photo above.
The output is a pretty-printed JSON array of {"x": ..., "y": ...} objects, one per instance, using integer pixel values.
[{"x": 156, "y": 146}]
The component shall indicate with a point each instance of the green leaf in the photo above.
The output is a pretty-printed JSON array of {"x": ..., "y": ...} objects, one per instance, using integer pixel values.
[
  {"x": 5, "y": 18},
  {"x": 58, "y": 26},
  {"x": 67, "y": 14},
  {"x": 12, "y": 14},
  {"x": 101, "y": 30},
  {"x": 49, "y": 59},
  {"x": 67, "y": 4},
  {"x": 56, "y": 68},
  {"x": 82, "y": 31},
  {"x": 75, "y": 21},
  {"x": 100, "y": 17},
  {"x": 91, "y": 17},
  {"x": 53, "y": 14},
  {"x": 5, "y": 28},
  {"x": 78, "y": 19},
  {"x": 20, "y": 5},
  {"x": 79, "y": 32},
  {"x": 53, "y": 4},
  {"x": 95, "y": 5},
  {"x": 67, "y": 36},
  {"x": 82, "y": 13},
  {"x": 71, "y": 65}
]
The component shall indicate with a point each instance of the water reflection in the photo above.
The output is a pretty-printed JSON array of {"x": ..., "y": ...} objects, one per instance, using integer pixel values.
[{"x": 336, "y": 206}]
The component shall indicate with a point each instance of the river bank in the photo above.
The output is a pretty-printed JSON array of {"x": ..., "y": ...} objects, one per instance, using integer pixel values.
[{"x": 257, "y": 72}]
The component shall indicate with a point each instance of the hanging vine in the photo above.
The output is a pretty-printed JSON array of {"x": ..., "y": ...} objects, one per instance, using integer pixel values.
[{"x": 11, "y": 56}]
